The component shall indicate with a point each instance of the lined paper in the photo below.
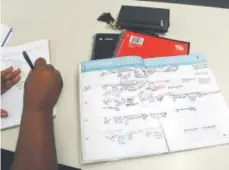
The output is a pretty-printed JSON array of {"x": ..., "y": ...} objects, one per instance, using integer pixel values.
[{"x": 12, "y": 100}]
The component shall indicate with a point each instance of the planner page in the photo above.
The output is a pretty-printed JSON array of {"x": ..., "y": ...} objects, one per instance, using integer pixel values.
[
  {"x": 197, "y": 114},
  {"x": 119, "y": 116}
]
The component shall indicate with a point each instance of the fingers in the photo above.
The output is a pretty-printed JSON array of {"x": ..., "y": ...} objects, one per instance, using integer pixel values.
[
  {"x": 4, "y": 113},
  {"x": 10, "y": 83},
  {"x": 40, "y": 62},
  {"x": 6, "y": 71},
  {"x": 12, "y": 74},
  {"x": 61, "y": 80},
  {"x": 9, "y": 78},
  {"x": 13, "y": 81},
  {"x": 50, "y": 66}
]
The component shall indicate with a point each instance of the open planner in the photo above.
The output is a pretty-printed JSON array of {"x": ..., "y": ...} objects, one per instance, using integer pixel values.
[
  {"x": 12, "y": 100},
  {"x": 131, "y": 107}
]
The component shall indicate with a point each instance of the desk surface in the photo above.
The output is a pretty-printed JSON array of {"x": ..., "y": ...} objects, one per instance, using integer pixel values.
[{"x": 70, "y": 25}]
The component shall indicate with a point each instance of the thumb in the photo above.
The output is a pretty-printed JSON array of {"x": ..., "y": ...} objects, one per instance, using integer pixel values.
[{"x": 4, "y": 113}]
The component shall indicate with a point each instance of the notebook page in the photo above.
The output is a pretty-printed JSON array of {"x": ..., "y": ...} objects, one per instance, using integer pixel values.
[
  {"x": 12, "y": 100},
  {"x": 197, "y": 114},
  {"x": 116, "y": 121}
]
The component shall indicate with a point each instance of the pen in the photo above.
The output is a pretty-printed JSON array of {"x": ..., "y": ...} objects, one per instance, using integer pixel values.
[
  {"x": 27, "y": 59},
  {"x": 7, "y": 37}
]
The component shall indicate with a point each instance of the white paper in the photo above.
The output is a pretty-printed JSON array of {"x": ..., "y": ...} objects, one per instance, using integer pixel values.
[
  {"x": 117, "y": 116},
  {"x": 138, "y": 111},
  {"x": 6, "y": 33},
  {"x": 198, "y": 115},
  {"x": 12, "y": 100}
]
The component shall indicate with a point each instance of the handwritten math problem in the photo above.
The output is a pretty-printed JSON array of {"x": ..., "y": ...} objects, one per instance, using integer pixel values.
[
  {"x": 135, "y": 88},
  {"x": 121, "y": 138},
  {"x": 160, "y": 106},
  {"x": 125, "y": 120}
]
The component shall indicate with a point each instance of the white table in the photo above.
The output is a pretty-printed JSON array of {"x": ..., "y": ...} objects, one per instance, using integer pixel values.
[{"x": 70, "y": 25}]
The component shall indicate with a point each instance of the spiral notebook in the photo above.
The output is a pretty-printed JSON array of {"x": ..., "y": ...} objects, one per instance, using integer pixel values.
[{"x": 152, "y": 106}]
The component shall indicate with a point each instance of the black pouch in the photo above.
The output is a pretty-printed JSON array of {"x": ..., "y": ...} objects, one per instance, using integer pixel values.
[{"x": 142, "y": 19}]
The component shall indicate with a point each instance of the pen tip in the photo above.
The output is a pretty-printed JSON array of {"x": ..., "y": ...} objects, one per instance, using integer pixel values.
[{"x": 24, "y": 53}]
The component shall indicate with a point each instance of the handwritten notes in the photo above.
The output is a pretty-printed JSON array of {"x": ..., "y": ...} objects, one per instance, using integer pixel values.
[
  {"x": 12, "y": 100},
  {"x": 146, "y": 107}
]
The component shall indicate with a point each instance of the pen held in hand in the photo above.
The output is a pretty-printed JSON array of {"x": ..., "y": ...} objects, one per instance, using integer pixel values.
[{"x": 27, "y": 59}]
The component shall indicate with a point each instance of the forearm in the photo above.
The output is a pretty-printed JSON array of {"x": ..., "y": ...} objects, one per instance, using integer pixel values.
[{"x": 36, "y": 146}]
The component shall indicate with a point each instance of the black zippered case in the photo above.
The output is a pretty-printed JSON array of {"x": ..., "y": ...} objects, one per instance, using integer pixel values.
[{"x": 142, "y": 19}]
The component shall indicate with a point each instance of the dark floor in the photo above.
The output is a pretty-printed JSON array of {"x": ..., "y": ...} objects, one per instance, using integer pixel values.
[{"x": 211, "y": 3}]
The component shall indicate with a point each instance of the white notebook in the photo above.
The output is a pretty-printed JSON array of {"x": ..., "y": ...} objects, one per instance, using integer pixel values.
[
  {"x": 12, "y": 100},
  {"x": 131, "y": 107}
]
